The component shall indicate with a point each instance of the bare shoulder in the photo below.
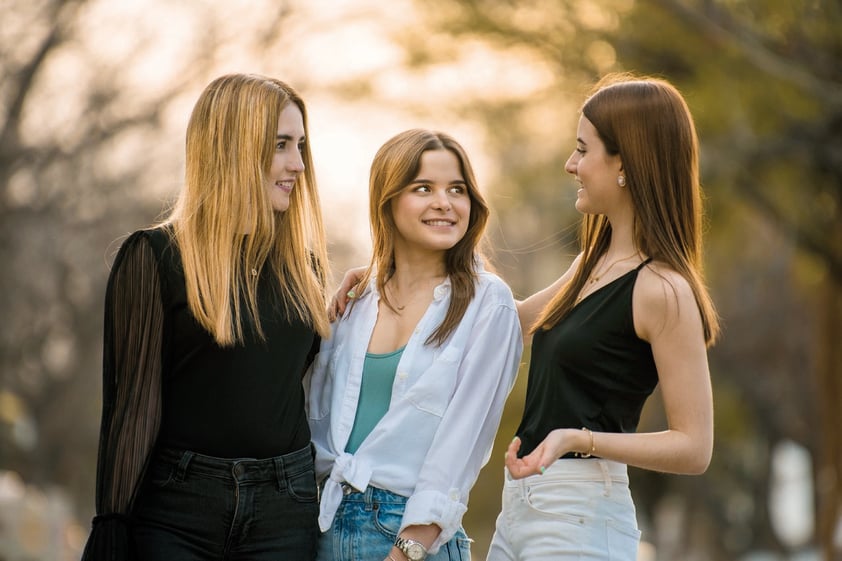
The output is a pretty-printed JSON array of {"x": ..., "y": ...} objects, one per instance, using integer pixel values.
[{"x": 662, "y": 299}]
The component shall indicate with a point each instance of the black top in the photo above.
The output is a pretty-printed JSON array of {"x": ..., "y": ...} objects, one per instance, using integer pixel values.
[
  {"x": 243, "y": 401},
  {"x": 167, "y": 383},
  {"x": 590, "y": 370}
]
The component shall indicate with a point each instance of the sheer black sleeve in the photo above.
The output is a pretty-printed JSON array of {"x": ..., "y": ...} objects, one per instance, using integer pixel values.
[{"x": 131, "y": 393}]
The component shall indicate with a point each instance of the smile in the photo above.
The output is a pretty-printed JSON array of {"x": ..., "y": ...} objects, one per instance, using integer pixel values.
[
  {"x": 285, "y": 186},
  {"x": 439, "y": 222}
]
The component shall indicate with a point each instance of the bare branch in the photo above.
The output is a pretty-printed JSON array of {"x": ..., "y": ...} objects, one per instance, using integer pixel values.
[{"x": 725, "y": 30}]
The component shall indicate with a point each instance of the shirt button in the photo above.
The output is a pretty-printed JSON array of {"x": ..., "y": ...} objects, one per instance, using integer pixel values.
[{"x": 402, "y": 375}]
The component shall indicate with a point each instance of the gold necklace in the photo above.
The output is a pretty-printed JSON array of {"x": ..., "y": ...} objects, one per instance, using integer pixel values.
[{"x": 594, "y": 278}]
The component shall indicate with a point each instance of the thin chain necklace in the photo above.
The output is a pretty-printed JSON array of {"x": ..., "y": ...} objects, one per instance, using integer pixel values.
[
  {"x": 432, "y": 283},
  {"x": 594, "y": 278}
]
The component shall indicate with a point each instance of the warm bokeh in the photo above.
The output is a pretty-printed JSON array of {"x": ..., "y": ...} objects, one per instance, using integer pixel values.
[{"x": 95, "y": 98}]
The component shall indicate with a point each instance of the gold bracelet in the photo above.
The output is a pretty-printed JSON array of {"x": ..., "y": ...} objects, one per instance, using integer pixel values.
[{"x": 592, "y": 451}]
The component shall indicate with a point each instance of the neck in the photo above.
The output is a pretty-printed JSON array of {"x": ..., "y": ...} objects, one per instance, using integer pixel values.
[
  {"x": 415, "y": 270},
  {"x": 622, "y": 238}
]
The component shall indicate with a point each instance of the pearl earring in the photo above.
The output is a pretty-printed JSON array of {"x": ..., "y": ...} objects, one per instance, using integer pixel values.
[{"x": 621, "y": 181}]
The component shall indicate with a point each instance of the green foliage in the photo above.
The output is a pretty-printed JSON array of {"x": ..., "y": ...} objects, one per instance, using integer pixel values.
[{"x": 764, "y": 82}]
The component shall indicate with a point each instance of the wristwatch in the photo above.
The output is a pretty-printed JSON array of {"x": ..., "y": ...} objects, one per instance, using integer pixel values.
[{"x": 414, "y": 551}]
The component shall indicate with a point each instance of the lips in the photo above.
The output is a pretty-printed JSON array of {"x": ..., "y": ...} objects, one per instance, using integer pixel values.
[
  {"x": 439, "y": 222},
  {"x": 285, "y": 186}
]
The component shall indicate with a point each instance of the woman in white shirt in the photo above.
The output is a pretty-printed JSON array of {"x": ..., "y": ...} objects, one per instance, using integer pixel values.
[{"x": 405, "y": 398}]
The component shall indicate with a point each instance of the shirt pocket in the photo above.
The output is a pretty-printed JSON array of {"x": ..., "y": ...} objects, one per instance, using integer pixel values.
[{"x": 433, "y": 390}]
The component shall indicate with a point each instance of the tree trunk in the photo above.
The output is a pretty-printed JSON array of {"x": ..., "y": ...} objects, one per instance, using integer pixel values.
[{"x": 829, "y": 387}]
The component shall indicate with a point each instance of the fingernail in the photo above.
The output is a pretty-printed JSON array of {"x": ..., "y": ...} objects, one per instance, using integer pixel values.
[
  {"x": 351, "y": 294},
  {"x": 542, "y": 469}
]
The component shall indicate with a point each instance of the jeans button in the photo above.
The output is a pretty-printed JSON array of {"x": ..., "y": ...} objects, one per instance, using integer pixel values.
[{"x": 239, "y": 469}]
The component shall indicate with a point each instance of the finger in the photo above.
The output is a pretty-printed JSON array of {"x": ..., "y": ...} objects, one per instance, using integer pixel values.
[{"x": 513, "y": 447}]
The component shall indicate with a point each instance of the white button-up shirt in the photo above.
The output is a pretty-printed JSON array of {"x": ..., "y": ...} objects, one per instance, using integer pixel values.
[{"x": 444, "y": 412}]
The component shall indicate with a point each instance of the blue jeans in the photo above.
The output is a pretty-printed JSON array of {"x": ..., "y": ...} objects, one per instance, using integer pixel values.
[
  {"x": 578, "y": 509},
  {"x": 367, "y": 524},
  {"x": 193, "y": 507}
]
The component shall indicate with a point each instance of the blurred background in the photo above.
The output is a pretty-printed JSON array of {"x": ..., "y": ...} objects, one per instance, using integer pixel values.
[{"x": 95, "y": 97}]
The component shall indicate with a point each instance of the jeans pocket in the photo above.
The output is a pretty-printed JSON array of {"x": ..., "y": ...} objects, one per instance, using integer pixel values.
[
  {"x": 302, "y": 486},
  {"x": 388, "y": 518},
  {"x": 559, "y": 503},
  {"x": 623, "y": 541},
  {"x": 161, "y": 474}
]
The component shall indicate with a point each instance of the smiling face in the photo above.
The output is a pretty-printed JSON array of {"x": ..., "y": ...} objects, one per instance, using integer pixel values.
[
  {"x": 433, "y": 211},
  {"x": 596, "y": 172},
  {"x": 287, "y": 163}
]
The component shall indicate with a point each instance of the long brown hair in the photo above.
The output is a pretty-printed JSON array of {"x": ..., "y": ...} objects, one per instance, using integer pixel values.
[
  {"x": 229, "y": 148},
  {"x": 394, "y": 166},
  {"x": 647, "y": 123}
]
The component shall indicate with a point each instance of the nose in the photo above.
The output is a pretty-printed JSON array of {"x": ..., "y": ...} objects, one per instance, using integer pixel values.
[
  {"x": 441, "y": 200},
  {"x": 570, "y": 164},
  {"x": 295, "y": 162}
]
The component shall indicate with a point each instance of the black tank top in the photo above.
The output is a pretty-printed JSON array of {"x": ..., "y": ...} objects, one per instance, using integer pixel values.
[{"x": 590, "y": 370}]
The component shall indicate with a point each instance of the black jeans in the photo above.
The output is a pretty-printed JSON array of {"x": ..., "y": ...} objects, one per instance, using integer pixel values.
[{"x": 196, "y": 508}]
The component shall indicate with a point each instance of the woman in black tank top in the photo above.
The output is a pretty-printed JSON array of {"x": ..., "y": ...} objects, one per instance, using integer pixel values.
[{"x": 632, "y": 312}]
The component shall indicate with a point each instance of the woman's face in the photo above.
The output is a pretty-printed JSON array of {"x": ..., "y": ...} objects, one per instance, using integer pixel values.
[
  {"x": 432, "y": 212},
  {"x": 287, "y": 163},
  {"x": 595, "y": 170}
]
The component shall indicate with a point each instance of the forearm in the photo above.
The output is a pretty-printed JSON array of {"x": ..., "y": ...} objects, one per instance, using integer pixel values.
[{"x": 669, "y": 451}]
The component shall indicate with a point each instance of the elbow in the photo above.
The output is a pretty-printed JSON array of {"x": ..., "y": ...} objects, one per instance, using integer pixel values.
[
  {"x": 699, "y": 459},
  {"x": 698, "y": 466}
]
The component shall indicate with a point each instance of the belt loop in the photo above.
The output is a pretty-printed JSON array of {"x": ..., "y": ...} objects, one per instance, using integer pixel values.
[
  {"x": 368, "y": 497},
  {"x": 606, "y": 476},
  {"x": 181, "y": 470},
  {"x": 280, "y": 473}
]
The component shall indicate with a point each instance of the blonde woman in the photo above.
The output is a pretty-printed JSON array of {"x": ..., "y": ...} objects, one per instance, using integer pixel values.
[
  {"x": 405, "y": 398},
  {"x": 210, "y": 322},
  {"x": 632, "y": 312}
]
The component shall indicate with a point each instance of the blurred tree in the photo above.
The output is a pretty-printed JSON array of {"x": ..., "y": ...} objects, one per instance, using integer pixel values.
[
  {"x": 765, "y": 86},
  {"x": 93, "y": 104}
]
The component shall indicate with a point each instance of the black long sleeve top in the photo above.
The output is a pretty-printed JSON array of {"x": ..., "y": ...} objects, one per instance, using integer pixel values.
[{"x": 166, "y": 383}]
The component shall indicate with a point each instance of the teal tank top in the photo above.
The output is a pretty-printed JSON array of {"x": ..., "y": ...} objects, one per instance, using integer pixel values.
[{"x": 375, "y": 395}]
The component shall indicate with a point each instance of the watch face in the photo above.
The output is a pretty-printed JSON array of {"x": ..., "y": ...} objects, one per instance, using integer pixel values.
[{"x": 415, "y": 552}]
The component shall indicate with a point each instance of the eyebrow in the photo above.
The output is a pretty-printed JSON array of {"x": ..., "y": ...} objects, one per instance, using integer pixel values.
[
  {"x": 580, "y": 141},
  {"x": 288, "y": 137},
  {"x": 422, "y": 180}
]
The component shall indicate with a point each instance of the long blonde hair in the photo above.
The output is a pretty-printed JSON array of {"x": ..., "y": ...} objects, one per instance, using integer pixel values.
[
  {"x": 394, "y": 166},
  {"x": 648, "y": 124},
  {"x": 229, "y": 149}
]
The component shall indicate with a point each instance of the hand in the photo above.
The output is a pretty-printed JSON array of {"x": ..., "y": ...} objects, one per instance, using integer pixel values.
[
  {"x": 395, "y": 554},
  {"x": 345, "y": 292},
  {"x": 555, "y": 445}
]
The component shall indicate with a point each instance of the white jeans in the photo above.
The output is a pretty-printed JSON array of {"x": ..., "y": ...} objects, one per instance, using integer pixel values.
[{"x": 578, "y": 509}]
